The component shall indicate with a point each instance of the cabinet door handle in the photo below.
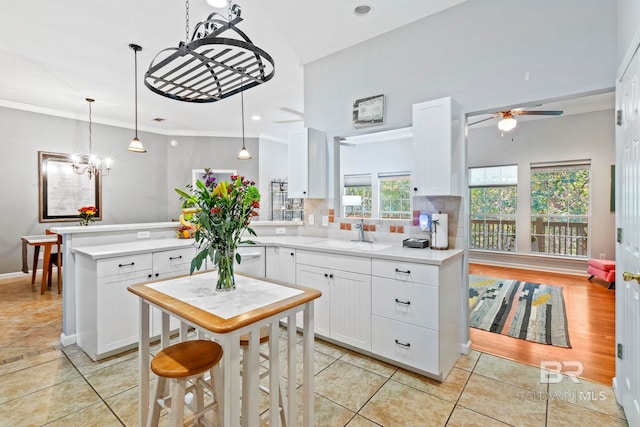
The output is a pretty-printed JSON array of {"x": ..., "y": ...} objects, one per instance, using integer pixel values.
[
  {"x": 331, "y": 276},
  {"x": 126, "y": 265},
  {"x": 326, "y": 275},
  {"x": 415, "y": 188},
  {"x": 403, "y": 271},
  {"x": 292, "y": 254},
  {"x": 149, "y": 276},
  {"x": 157, "y": 274},
  {"x": 403, "y": 302},
  {"x": 171, "y": 258},
  {"x": 403, "y": 344}
]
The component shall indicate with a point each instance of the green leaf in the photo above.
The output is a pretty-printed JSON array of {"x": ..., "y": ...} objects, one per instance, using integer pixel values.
[{"x": 238, "y": 258}]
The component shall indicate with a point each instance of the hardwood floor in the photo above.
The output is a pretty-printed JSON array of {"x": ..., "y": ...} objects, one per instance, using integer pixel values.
[{"x": 590, "y": 316}]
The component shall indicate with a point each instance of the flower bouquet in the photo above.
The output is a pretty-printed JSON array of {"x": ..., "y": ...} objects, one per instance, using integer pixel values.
[
  {"x": 87, "y": 214},
  {"x": 223, "y": 211}
]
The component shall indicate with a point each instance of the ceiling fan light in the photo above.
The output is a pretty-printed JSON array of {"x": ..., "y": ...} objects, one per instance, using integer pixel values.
[
  {"x": 136, "y": 146},
  {"x": 507, "y": 124}
]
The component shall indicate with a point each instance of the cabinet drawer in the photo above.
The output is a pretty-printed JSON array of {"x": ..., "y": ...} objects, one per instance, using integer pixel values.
[
  {"x": 353, "y": 264},
  {"x": 173, "y": 262},
  {"x": 404, "y": 343},
  {"x": 405, "y": 271},
  {"x": 407, "y": 302},
  {"x": 126, "y": 266}
]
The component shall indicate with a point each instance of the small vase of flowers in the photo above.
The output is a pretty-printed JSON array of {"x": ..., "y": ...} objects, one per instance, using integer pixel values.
[
  {"x": 87, "y": 214},
  {"x": 223, "y": 212}
]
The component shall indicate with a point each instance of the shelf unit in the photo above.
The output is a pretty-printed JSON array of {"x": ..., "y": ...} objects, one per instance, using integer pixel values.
[{"x": 284, "y": 208}]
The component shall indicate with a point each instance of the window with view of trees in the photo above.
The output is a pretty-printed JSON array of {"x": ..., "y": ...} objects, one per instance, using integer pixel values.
[
  {"x": 358, "y": 185},
  {"x": 560, "y": 209},
  {"x": 493, "y": 205},
  {"x": 395, "y": 195}
]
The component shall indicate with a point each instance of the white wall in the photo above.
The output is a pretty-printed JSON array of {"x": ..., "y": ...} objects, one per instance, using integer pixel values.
[
  {"x": 581, "y": 136},
  {"x": 477, "y": 52},
  {"x": 628, "y": 25}
]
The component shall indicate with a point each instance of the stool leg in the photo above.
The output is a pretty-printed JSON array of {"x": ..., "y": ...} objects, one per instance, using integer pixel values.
[
  {"x": 217, "y": 390},
  {"x": 177, "y": 402},
  {"x": 154, "y": 416},
  {"x": 592, "y": 276},
  {"x": 198, "y": 398}
]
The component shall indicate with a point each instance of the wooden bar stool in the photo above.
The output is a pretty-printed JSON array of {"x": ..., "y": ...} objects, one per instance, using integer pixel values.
[
  {"x": 264, "y": 338},
  {"x": 180, "y": 363}
]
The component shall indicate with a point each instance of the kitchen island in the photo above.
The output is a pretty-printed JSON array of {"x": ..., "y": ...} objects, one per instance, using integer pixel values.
[{"x": 402, "y": 305}]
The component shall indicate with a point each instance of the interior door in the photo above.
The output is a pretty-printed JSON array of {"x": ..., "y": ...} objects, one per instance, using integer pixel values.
[{"x": 627, "y": 381}]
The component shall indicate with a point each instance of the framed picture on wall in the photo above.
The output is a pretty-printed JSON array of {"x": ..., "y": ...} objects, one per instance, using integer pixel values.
[
  {"x": 62, "y": 191},
  {"x": 368, "y": 111}
]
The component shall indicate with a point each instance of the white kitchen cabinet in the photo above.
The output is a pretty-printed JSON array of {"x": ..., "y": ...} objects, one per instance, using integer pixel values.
[
  {"x": 108, "y": 312},
  {"x": 416, "y": 314},
  {"x": 307, "y": 164},
  {"x": 252, "y": 261},
  {"x": 437, "y": 149},
  {"x": 343, "y": 312},
  {"x": 166, "y": 264},
  {"x": 281, "y": 264}
]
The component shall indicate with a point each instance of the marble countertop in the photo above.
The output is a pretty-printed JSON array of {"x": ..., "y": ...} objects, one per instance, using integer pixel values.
[{"x": 379, "y": 250}]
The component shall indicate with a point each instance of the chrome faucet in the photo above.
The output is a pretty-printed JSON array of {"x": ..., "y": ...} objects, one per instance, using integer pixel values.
[{"x": 360, "y": 228}]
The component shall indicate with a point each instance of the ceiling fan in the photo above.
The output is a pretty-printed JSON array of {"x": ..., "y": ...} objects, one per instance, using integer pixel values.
[
  {"x": 508, "y": 122},
  {"x": 300, "y": 115}
]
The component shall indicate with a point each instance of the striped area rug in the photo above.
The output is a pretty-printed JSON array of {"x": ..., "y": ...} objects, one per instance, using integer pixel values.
[{"x": 525, "y": 310}]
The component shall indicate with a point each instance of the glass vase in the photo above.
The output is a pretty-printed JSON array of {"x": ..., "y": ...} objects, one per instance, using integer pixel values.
[{"x": 224, "y": 260}]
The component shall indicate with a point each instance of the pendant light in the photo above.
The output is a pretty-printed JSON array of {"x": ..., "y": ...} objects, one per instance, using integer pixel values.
[
  {"x": 244, "y": 153},
  {"x": 135, "y": 145}
]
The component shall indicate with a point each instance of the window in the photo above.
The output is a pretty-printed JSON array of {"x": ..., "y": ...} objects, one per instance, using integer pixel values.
[
  {"x": 395, "y": 195},
  {"x": 493, "y": 205},
  {"x": 358, "y": 185},
  {"x": 560, "y": 209}
]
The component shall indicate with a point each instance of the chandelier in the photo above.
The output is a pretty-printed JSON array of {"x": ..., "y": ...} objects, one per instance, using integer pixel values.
[
  {"x": 91, "y": 164},
  {"x": 217, "y": 61}
]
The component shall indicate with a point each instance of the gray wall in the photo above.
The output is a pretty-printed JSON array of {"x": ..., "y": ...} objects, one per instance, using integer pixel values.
[
  {"x": 581, "y": 136},
  {"x": 628, "y": 25},
  {"x": 140, "y": 187},
  {"x": 198, "y": 152},
  {"x": 476, "y": 52}
]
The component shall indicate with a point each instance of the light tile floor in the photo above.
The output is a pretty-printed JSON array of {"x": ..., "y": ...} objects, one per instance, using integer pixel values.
[{"x": 42, "y": 383}]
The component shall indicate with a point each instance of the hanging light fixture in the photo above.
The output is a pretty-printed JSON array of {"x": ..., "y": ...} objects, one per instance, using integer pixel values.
[
  {"x": 507, "y": 124},
  {"x": 207, "y": 67},
  {"x": 244, "y": 153},
  {"x": 135, "y": 145},
  {"x": 91, "y": 164}
]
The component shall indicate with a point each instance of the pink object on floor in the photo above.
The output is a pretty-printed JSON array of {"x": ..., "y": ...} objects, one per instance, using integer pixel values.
[{"x": 603, "y": 269}]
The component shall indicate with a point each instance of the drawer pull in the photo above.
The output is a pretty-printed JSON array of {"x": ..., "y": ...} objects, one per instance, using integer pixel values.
[
  {"x": 403, "y": 344},
  {"x": 403, "y": 302},
  {"x": 403, "y": 271},
  {"x": 326, "y": 275},
  {"x": 331, "y": 276},
  {"x": 126, "y": 265},
  {"x": 171, "y": 258}
]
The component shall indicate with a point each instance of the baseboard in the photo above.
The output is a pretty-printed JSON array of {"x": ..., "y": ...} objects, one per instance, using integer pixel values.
[
  {"x": 66, "y": 340},
  {"x": 465, "y": 348},
  {"x": 15, "y": 274}
]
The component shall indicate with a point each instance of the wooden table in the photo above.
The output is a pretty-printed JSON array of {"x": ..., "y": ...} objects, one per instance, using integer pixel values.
[
  {"x": 226, "y": 316},
  {"x": 46, "y": 240}
]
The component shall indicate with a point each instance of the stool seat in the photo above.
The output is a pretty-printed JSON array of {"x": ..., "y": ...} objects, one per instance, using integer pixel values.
[
  {"x": 184, "y": 365},
  {"x": 264, "y": 337},
  {"x": 186, "y": 359},
  {"x": 603, "y": 264}
]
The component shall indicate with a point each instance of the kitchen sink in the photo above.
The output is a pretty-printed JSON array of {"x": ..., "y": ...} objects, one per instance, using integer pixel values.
[{"x": 348, "y": 244}]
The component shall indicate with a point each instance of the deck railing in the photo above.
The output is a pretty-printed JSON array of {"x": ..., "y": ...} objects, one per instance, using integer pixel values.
[{"x": 565, "y": 238}]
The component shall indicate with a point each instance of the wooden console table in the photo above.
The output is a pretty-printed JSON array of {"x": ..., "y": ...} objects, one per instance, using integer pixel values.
[{"x": 225, "y": 316}]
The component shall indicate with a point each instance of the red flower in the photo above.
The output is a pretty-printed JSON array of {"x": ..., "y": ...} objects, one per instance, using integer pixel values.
[
  {"x": 256, "y": 204},
  {"x": 215, "y": 210}
]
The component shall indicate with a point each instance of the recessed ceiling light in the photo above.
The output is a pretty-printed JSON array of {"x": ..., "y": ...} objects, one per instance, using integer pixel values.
[
  {"x": 217, "y": 3},
  {"x": 363, "y": 10},
  {"x": 256, "y": 117}
]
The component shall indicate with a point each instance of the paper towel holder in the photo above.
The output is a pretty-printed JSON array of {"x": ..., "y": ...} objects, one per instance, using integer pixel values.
[{"x": 435, "y": 224}]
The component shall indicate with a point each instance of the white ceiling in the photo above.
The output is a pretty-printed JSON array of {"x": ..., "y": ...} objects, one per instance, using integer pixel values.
[{"x": 54, "y": 54}]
